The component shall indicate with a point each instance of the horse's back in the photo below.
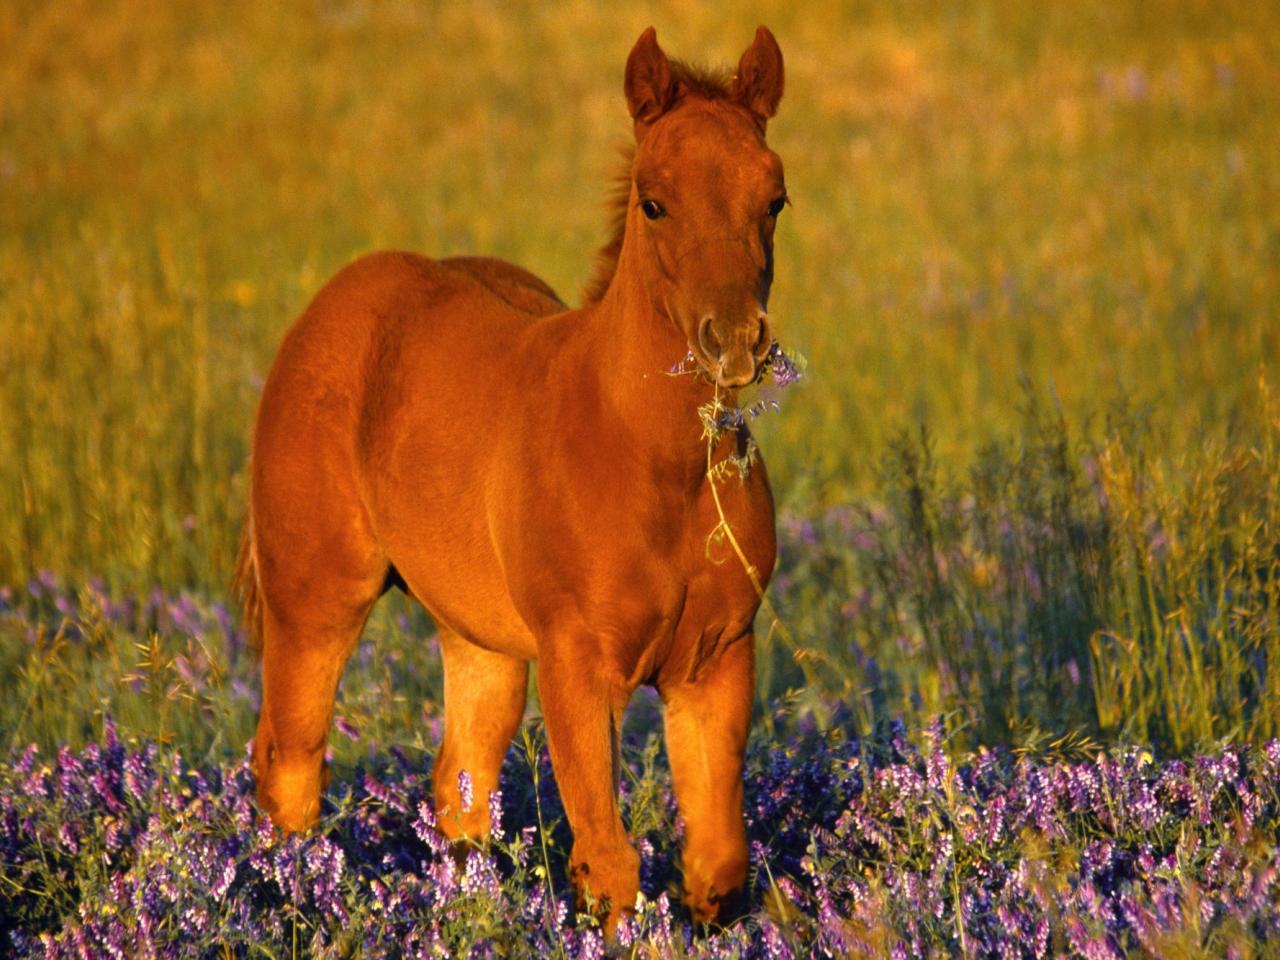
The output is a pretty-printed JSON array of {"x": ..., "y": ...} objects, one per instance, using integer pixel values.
[
  {"x": 399, "y": 285},
  {"x": 517, "y": 287},
  {"x": 345, "y": 334}
]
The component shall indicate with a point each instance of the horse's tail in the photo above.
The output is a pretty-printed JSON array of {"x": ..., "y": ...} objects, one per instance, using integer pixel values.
[{"x": 245, "y": 585}]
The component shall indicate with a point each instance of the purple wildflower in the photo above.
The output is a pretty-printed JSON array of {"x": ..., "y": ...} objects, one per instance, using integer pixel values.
[
  {"x": 465, "y": 791},
  {"x": 495, "y": 812},
  {"x": 686, "y": 364},
  {"x": 781, "y": 367},
  {"x": 346, "y": 728}
]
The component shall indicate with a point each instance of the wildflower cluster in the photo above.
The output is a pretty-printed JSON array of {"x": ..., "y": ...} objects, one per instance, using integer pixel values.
[
  {"x": 47, "y": 601},
  {"x": 884, "y": 849},
  {"x": 133, "y": 852},
  {"x": 857, "y": 846}
]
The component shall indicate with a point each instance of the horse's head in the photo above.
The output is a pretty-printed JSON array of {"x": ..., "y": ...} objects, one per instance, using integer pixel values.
[{"x": 705, "y": 195}]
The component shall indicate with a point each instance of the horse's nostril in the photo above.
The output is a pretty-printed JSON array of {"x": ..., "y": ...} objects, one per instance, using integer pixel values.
[
  {"x": 707, "y": 338},
  {"x": 764, "y": 337}
]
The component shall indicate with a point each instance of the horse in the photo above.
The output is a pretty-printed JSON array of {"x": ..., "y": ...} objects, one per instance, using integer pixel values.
[{"x": 531, "y": 476}]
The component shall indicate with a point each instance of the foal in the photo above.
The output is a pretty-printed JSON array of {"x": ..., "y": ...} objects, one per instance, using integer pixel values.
[{"x": 532, "y": 477}]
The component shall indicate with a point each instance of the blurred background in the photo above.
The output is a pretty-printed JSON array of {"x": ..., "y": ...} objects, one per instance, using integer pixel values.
[{"x": 1033, "y": 261}]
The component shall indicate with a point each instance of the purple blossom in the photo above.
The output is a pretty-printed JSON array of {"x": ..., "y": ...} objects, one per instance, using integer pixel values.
[
  {"x": 781, "y": 367},
  {"x": 686, "y": 364},
  {"x": 465, "y": 791},
  {"x": 346, "y": 727},
  {"x": 495, "y": 812}
]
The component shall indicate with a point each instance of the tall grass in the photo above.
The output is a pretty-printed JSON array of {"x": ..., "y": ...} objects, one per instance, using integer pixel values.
[
  {"x": 1059, "y": 584},
  {"x": 1081, "y": 198}
]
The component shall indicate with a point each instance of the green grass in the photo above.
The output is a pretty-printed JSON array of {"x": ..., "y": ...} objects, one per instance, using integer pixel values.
[{"x": 1081, "y": 198}]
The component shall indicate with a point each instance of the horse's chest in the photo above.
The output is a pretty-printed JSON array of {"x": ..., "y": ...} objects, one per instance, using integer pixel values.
[
  {"x": 653, "y": 576},
  {"x": 733, "y": 545},
  {"x": 729, "y": 558}
]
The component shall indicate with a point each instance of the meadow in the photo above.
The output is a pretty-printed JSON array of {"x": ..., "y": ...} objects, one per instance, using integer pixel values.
[{"x": 1020, "y": 680}]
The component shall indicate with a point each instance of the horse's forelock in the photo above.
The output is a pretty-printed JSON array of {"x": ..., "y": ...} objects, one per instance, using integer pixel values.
[{"x": 712, "y": 83}]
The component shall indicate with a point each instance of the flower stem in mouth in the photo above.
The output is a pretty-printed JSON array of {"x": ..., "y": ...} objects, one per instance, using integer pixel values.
[
  {"x": 777, "y": 363},
  {"x": 686, "y": 364}
]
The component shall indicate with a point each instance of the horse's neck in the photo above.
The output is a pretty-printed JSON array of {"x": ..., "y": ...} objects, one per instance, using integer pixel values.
[{"x": 635, "y": 348}]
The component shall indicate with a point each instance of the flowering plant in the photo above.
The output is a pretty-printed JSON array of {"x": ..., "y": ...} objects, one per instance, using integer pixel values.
[{"x": 864, "y": 846}]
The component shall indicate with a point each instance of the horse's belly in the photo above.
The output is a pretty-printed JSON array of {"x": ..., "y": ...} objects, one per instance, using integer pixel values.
[
  {"x": 464, "y": 592},
  {"x": 429, "y": 514}
]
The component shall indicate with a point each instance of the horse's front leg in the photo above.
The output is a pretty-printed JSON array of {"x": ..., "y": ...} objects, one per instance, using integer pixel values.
[
  {"x": 583, "y": 706},
  {"x": 706, "y": 723}
]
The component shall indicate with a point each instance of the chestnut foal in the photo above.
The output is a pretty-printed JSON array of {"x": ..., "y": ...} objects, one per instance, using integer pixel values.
[{"x": 532, "y": 477}]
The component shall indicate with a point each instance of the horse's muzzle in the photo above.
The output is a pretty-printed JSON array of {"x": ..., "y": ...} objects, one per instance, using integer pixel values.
[{"x": 736, "y": 354}]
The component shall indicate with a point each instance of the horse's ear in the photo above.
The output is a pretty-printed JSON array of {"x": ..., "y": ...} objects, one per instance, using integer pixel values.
[
  {"x": 758, "y": 85},
  {"x": 650, "y": 88}
]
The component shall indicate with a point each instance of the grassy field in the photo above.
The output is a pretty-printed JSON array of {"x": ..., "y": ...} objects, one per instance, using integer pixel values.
[
  {"x": 1030, "y": 483},
  {"x": 1049, "y": 240}
]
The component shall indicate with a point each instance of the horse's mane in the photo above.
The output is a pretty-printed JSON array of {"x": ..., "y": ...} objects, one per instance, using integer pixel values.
[{"x": 710, "y": 83}]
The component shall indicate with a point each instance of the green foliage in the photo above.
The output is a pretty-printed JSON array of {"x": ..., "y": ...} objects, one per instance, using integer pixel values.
[
  {"x": 174, "y": 669},
  {"x": 1059, "y": 584}
]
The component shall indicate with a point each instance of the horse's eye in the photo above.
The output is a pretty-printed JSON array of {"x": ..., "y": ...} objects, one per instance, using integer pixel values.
[
  {"x": 652, "y": 209},
  {"x": 775, "y": 208}
]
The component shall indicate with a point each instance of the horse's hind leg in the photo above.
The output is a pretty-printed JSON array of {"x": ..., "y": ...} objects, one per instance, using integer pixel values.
[
  {"x": 484, "y": 695},
  {"x": 316, "y": 602},
  {"x": 301, "y": 666},
  {"x": 706, "y": 724}
]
